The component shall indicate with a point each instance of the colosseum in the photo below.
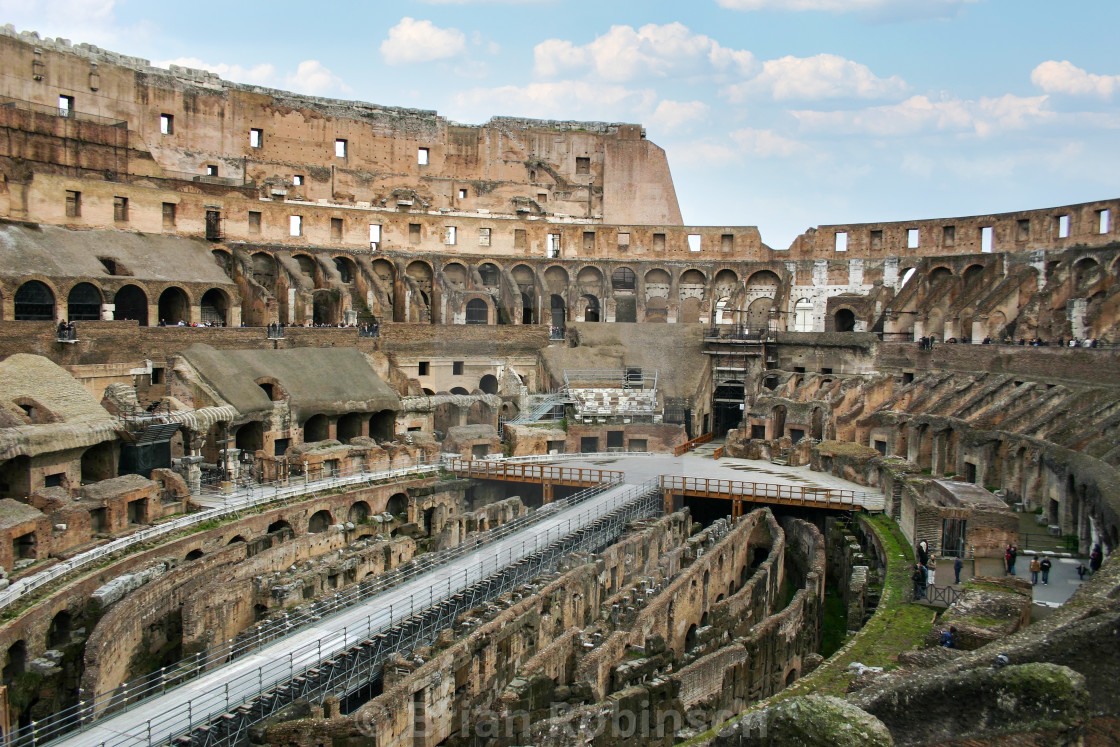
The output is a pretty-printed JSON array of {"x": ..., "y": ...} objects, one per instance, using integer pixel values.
[{"x": 330, "y": 423}]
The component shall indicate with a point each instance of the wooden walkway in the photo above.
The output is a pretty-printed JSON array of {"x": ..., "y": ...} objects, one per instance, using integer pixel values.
[
  {"x": 547, "y": 475},
  {"x": 740, "y": 493}
]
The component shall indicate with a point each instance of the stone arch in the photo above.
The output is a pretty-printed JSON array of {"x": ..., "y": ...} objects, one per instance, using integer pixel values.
[
  {"x": 455, "y": 274},
  {"x": 194, "y": 554},
  {"x": 308, "y": 267},
  {"x": 489, "y": 384},
  {"x": 556, "y": 279},
  {"x": 347, "y": 270},
  {"x": 657, "y": 282},
  {"x": 34, "y": 302},
  {"x": 938, "y": 273},
  {"x": 281, "y": 526},
  {"x": 972, "y": 275},
  {"x": 359, "y": 512},
  {"x": 264, "y": 269},
  {"x": 383, "y": 425},
  {"x": 131, "y": 302},
  {"x": 316, "y": 428},
  {"x": 996, "y": 323},
  {"x": 803, "y": 315},
  {"x": 489, "y": 274},
  {"x": 657, "y": 310},
  {"x": 459, "y": 390},
  {"x": 559, "y": 310},
  {"x": 690, "y": 311},
  {"x": 235, "y": 539},
  {"x": 214, "y": 307},
  {"x": 590, "y": 308},
  {"x": 1085, "y": 271},
  {"x": 480, "y": 413},
  {"x": 397, "y": 505},
  {"x": 250, "y": 437},
  {"x": 349, "y": 426},
  {"x": 326, "y": 307},
  {"x": 320, "y": 521},
  {"x": 272, "y": 388},
  {"x": 477, "y": 311},
  {"x": 725, "y": 282},
  {"x": 778, "y": 420},
  {"x": 83, "y": 303},
  {"x": 174, "y": 305},
  {"x": 419, "y": 272},
  {"x": 623, "y": 279},
  {"x": 758, "y": 314},
  {"x": 844, "y": 320},
  {"x": 58, "y": 634}
]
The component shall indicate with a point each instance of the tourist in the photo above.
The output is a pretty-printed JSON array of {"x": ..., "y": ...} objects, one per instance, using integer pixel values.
[
  {"x": 1081, "y": 571},
  {"x": 1044, "y": 566},
  {"x": 949, "y": 637},
  {"x": 1096, "y": 558},
  {"x": 919, "y": 586},
  {"x": 923, "y": 553},
  {"x": 958, "y": 564},
  {"x": 1014, "y": 555},
  {"x": 1035, "y": 567}
]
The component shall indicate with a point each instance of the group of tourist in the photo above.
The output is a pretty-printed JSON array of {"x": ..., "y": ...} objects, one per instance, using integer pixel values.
[
  {"x": 181, "y": 323},
  {"x": 1042, "y": 566},
  {"x": 920, "y": 576},
  {"x": 66, "y": 331}
]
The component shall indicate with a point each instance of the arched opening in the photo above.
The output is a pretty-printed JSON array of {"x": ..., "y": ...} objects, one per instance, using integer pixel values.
[
  {"x": 347, "y": 270},
  {"x": 59, "y": 632},
  {"x": 320, "y": 521},
  {"x": 397, "y": 505},
  {"x": 264, "y": 270},
  {"x": 527, "y": 315},
  {"x": 938, "y": 275},
  {"x": 83, "y": 303},
  {"x": 791, "y": 677},
  {"x": 477, "y": 311},
  {"x": 559, "y": 310},
  {"x": 816, "y": 427},
  {"x": 383, "y": 425},
  {"x": 235, "y": 539},
  {"x": 250, "y": 437},
  {"x": 174, "y": 307},
  {"x": 458, "y": 390},
  {"x": 690, "y": 638},
  {"x": 778, "y": 421},
  {"x": 324, "y": 307},
  {"x": 972, "y": 275},
  {"x": 480, "y": 414},
  {"x": 1085, "y": 272},
  {"x": 488, "y": 384},
  {"x": 909, "y": 273},
  {"x": 16, "y": 662},
  {"x": 803, "y": 315},
  {"x": 657, "y": 310},
  {"x": 282, "y": 528},
  {"x": 316, "y": 428},
  {"x": 758, "y": 314},
  {"x": 358, "y": 513},
  {"x": 770, "y": 382},
  {"x": 723, "y": 313},
  {"x": 307, "y": 268},
  {"x": 194, "y": 555},
  {"x": 99, "y": 462},
  {"x": 350, "y": 426},
  {"x": 590, "y": 309},
  {"x": 845, "y": 320},
  {"x": 455, "y": 275},
  {"x": 34, "y": 302},
  {"x": 131, "y": 303},
  {"x": 214, "y": 307},
  {"x": 489, "y": 275},
  {"x": 623, "y": 279}
]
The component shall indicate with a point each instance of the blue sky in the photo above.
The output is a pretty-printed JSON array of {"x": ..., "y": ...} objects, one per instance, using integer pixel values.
[{"x": 783, "y": 114}]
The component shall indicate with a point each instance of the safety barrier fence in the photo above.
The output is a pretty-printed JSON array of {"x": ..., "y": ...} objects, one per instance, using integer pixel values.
[
  {"x": 343, "y": 660},
  {"x": 939, "y": 595},
  {"x": 231, "y": 503},
  {"x": 787, "y": 494},
  {"x": 688, "y": 446},
  {"x": 589, "y": 456}
]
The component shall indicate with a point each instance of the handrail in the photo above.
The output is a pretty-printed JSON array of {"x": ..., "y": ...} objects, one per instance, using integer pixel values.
[
  {"x": 545, "y": 473},
  {"x": 232, "y": 504},
  {"x": 734, "y": 489},
  {"x": 688, "y": 446}
]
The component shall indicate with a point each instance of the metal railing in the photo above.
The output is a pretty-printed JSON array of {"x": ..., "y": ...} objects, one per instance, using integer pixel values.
[
  {"x": 939, "y": 595},
  {"x": 231, "y": 504},
  {"x": 483, "y": 469},
  {"x": 137, "y": 690},
  {"x": 539, "y": 458},
  {"x": 789, "y": 494},
  {"x": 736, "y": 333},
  {"x": 313, "y": 668},
  {"x": 688, "y": 446},
  {"x": 611, "y": 378},
  {"x": 6, "y": 102}
]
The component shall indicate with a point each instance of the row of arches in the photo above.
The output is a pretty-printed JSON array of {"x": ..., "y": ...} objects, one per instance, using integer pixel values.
[{"x": 35, "y": 301}]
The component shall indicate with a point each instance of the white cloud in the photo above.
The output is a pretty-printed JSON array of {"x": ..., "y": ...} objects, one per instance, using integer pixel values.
[
  {"x": 1065, "y": 77},
  {"x": 312, "y": 77},
  {"x": 920, "y": 114},
  {"x": 818, "y": 77},
  {"x": 917, "y": 7},
  {"x": 92, "y": 21},
  {"x": 259, "y": 75},
  {"x": 421, "y": 41},
  {"x": 569, "y": 99},
  {"x": 765, "y": 143},
  {"x": 625, "y": 53},
  {"x": 673, "y": 115}
]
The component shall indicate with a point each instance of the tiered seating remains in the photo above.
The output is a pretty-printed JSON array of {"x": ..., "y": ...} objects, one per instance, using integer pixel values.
[{"x": 598, "y": 404}]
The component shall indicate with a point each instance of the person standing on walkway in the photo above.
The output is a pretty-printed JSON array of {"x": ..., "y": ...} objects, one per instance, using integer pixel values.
[
  {"x": 1035, "y": 568},
  {"x": 919, "y": 586},
  {"x": 1096, "y": 558},
  {"x": 1044, "y": 566},
  {"x": 958, "y": 564}
]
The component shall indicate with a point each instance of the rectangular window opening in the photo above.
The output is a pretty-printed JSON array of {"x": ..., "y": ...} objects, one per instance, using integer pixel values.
[
  {"x": 1063, "y": 226},
  {"x": 841, "y": 241},
  {"x": 65, "y": 106},
  {"x": 694, "y": 242},
  {"x": 413, "y": 234},
  {"x": 374, "y": 236},
  {"x": 452, "y": 235},
  {"x": 295, "y": 225},
  {"x": 1104, "y": 219},
  {"x": 588, "y": 241},
  {"x": 520, "y": 239},
  {"x": 340, "y": 148},
  {"x": 211, "y": 169},
  {"x": 457, "y": 368},
  {"x": 948, "y": 235},
  {"x": 120, "y": 208},
  {"x": 986, "y": 239},
  {"x": 422, "y": 368},
  {"x": 583, "y": 165},
  {"x": 623, "y": 241},
  {"x": 254, "y": 222},
  {"x": 542, "y": 198},
  {"x": 256, "y": 138},
  {"x": 169, "y": 210},
  {"x": 336, "y": 229},
  {"x": 659, "y": 242},
  {"x": 727, "y": 243},
  {"x": 166, "y": 124},
  {"x": 484, "y": 237},
  {"x": 297, "y": 180},
  {"x": 462, "y": 194},
  {"x": 1023, "y": 230},
  {"x": 422, "y": 156},
  {"x": 552, "y": 249},
  {"x": 876, "y": 240},
  {"x": 73, "y": 204},
  {"x": 912, "y": 238}
]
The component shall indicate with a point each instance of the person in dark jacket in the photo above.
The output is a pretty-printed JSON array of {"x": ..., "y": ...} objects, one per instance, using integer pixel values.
[
  {"x": 958, "y": 564},
  {"x": 1044, "y": 565}
]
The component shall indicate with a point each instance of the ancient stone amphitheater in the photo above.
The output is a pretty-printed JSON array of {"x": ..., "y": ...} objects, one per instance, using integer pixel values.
[{"x": 328, "y": 423}]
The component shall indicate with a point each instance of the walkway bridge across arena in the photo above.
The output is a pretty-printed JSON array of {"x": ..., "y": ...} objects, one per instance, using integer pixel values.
[
  {"x": 546, "y": 475},
  {"x": 741, "y": 493}
]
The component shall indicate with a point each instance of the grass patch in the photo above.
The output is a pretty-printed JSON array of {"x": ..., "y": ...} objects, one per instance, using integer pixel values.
[{"x": 834, "y": 627}]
